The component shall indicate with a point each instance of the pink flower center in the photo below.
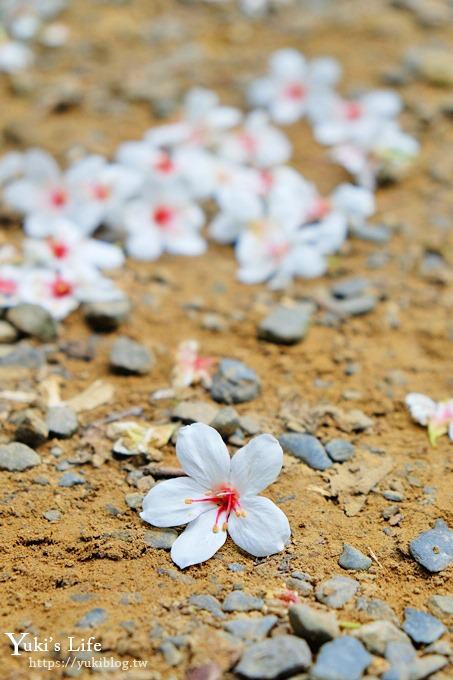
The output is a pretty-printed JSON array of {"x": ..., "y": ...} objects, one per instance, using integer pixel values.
[
  {"x": 101, "y": 192},
  {"x": 444, "y": 413},
  {"x": 163, "y": 216},
  {"x": 352, "y": 110},
  {"x": 227, "y": 500},
  {"x": 319, "y": 209},
  {"x": 58, "y": 198},
  {"x": 247, "y": 141},
  {"x": 267, "y": 179},
  {"x": 61, "y": 288},
  {"x": 278, "y": 251},
  {"x": 58, "y": 248},
  {"x": 7, "y": 286},
  {"x": 295, "y": 91},
  {"x": 164, "y": 164}
]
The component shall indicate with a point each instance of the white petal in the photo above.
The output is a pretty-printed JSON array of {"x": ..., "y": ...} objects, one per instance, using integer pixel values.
[
  {"x": 256, "y": 465},
  {"x": 203, "y": 455},
  {"x": 263, "y": 531},
  {"x": 164, "y": 505},
  {"x": 422, "y": 408},
  {"x": 101, "y": 254},
  {"x": 198, "y": 542}
]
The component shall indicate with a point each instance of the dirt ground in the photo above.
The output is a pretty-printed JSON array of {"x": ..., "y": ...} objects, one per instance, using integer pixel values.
[{"x": 121, "y": 62}]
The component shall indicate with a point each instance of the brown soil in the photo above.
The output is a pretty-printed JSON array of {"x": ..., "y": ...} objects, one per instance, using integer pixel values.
[{"x": 404, "y": 345}]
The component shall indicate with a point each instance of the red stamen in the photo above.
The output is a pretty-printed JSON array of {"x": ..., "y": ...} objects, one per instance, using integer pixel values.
[
  {"x": 248, "y": 141},
  {"x": 353, "y": 110},
  {"x": 295, "y": 91},
  {"x": 165, "y": 164},
  {"x": 163, "y": 216},
  {"x": 101, "y": 192},
  {"x": 58, "y": 198},
  {"x": 227, "y": 500},
  {"x": 58, "y": 248},
  {"x": 60, "y": 288},
  {"x": 7, "y": 287}
]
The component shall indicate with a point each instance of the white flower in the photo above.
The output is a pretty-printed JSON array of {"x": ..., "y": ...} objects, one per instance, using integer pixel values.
[
  {"x": 67, "y": 247},
  {"x": 220, "y": 495},
  {"x": 11, "y": 166},
  {"x": 11, "y": 279},
  {"x": 437, "y": 416},
  {"x": 191, "y": 368},
  {"x": 14, "y": 56},
  {"x": 100, "y": 190},
  {"x": 256, "y": 143},
  {"x": 291, "y": 84},
  {"x": 163, "y": 221}
]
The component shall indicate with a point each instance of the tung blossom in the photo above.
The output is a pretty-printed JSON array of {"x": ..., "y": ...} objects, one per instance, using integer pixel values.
[
  {"x": 436, "y": 416},
  {"x": 256, "y": 143},
  {"x": 219, "y": 496},
  {"x": 191, "y": 368}
]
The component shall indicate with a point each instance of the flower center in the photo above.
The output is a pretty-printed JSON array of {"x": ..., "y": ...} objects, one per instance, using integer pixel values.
[
  {"x": 319, "y": 209},
  {"x": 7, "y": 287},
  {"x": 162, "y": 216},
  {"x": 247, "y": 141},
  {"x": 352, "y": 110},
  {"x": 277, "y": 251},
  {"x": 295, "y": 91},
  {"x": 58, "y": 198},
  {"x": 164, "y": 164},
  {"x": 60, "y": 288},
  {"x": 101, "y": 192},
  {"x": 58, "y": 248},
  {"x": 227, "y": 500}
]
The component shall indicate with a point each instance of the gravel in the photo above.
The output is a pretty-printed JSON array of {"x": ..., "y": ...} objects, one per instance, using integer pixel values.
[
  {"x": 315, "y": 626},
  {"x": 377, "y": 634},
  {"x": 16, "y": 457},
  {"x": 105, "y": 317},
  {"x": 194, "y": 412},
  {"x": 281, "y": 657},
  {"x": 226, "y": 421},
  {"x": 353, "y": 559},
  {"x": 340, "y": 450},
  {"x": 441, "y": 605},
  {"x": 421, "y": 627},
  {"x": 8, "y": 333},
  {"x": 234, "y": 383},
  {"x": 130, "y": 358},
  {"x": 161, "y": 539},
  {"x": 71, "y": 479},
  {"x": 95, "y": 617},
  {"x": 342, "y": 659},
  {"x": 336, "y": 591},
  {"x": 33, "y": 320},
  {"x": 251, "y": 629},
  {"x": 307, "y": 448},
  {"x": 208, "y": 603},
  {"x": 433, "y": 549},
  {"x": 31, "y": 429},
  {"x": 286, "y": 325},
  {"x": 237, "y": 601}
]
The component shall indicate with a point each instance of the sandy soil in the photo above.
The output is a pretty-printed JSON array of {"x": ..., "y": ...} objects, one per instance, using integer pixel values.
[{"x": 117, "y": 57}]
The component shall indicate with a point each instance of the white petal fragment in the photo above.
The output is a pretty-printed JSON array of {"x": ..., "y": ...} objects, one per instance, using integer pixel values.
[
  {"x": 203, "y": 455},
  {"x": 263, "y": 531},
  {"x": 198, "y": 542},
  {"x": 256, "y": 465},
  {"x": 421, "y": 407},
  {"x": 165, "y": 504}
]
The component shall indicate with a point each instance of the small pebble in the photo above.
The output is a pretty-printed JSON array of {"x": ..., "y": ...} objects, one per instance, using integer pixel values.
[
  {"x": 130, "y": 358},
  {"x": 16, "y": 457},
  {"x": 234, "y": 383},
  {"x": 342, "y": 659},
  {"x": 237, "y": 601},
  {"x": 33, "y": 320},
  {"x": 61, "y": 422},
  {"x": 280, "y": 657},
  {"x": 286, "y": 325},
  {"x": 95, "y": 617},
  {"x": 336, "y": 591},
  {"x": 251, "y": 629},
  {"x": 307, "y": 448},
  {"x": 314, "y": 625},
  {"x": 340, "y": 450},
  {"x": 160, "y": 538},
  {"x": 353, "y": 559},
  {"x": 433, "y": 549},
  {"x": 421, "y": 627}
]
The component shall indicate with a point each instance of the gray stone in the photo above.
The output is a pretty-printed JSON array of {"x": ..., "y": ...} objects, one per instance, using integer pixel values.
[
  {"x": 340, "y": 450},
  {"x": 237, "y": 601},
  {"x": 401, "y": 656},
  {"x": 33, "y": 320},
  {"x": 61, "y": 422},
  {"x": 315, "y": 626},
  {"x": 336, "y": 591},
  {"x": 130, "y": 358},
  {"x": 251, "y": 629},
  {"x": 348, "y": 288},
  {"x": 207, "y": 603},
  {"x": 300, "y": 586},
  {"x": 426, "y": 666},
  {"x": 307, "y": 448},
  {"x": 353, "y": 559},
  {"x": 433, "y": 63},
  {"x": 95, "y": 617},
  {"x": 421, "y": 627},
  {"x": 7, "y": 332},
  {"x": 71, "y": 479},
  {"x": 377, "y": 634},
  {"x": 107, "y": 316},
  {"x": 234, "y": 383},
  {"x": 160, "y": 538},
  {"x": 356, "y": 306},
  {"x": 194, "y": 412},
  {"x": 134, "y": 500},
  {"x": 375, "y": 233},
  {"x": 281, "y": 657},
  {"x": 250, "y": 425},
  {"x": 171, "y": 654},
  {"x": 236, "y": 567},
  {"x": 433, "y": 549},
  {"x": 441, "y": 605},
  {"x": 52, "y": 515},
  {"x": 376, "y": 609},
  {"x": 342, "y": 659},
  {"x": 394, "y": 496},
  {"x": 226, "y": 421},
  {"x": 31, "y": 428},
  {"x": 27, "y": 357},
  {"x": 16, "y": 457},
  {"x": 286, "y": 325}
]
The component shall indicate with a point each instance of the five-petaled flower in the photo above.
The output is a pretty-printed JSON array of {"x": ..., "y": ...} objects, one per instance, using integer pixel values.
[
  {"x": 437, "y": 416},
  {"x": 219, "y": 496}
]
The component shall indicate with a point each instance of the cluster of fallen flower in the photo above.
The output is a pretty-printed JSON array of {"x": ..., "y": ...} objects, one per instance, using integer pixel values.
[
  {"x": 150, "y": 196},
  {"x": 22, "y": 22}
]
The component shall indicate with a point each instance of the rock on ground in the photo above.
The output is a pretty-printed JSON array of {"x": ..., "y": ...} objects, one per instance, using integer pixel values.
[
  {"x": 61, "y": 422},
  {"x": 107, "y": 316},
  {"x": 286, "y": 325},
  {"x": 421, "y": 627},
  {"x": 234, "y": 383},
  {"x": 130, "y": 358},
  {"x": 315, "y": 626},
  {"x": 307, "y": 448},
  {"x": 433, "y": 549},
  {"x": 33, "y": 320},
  {"x": 281, "y": 657},
  {"x": 342, "y": 659},
  {"x": 336, "y": 591},
  {"x": 16, "y": 457},
  {"x": 353, "y": 559}
]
